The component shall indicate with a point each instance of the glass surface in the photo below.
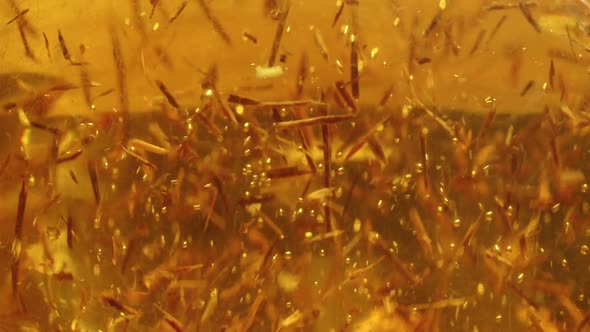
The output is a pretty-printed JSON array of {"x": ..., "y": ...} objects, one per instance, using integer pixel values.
[{"x": 294, "y": 165}]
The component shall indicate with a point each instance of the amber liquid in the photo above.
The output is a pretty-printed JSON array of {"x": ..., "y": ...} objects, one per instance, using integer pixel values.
[{"x": 199, "y": 188}]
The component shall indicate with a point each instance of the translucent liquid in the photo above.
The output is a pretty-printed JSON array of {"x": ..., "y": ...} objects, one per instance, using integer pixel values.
[{"x": 392, "y": 167}]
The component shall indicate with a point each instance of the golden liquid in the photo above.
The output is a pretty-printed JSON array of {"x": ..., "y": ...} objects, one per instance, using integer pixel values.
[{"x": 456, "y": 196}]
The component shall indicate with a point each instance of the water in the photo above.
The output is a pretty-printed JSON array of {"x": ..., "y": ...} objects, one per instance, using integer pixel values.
[{"x": 455, "y": 199}]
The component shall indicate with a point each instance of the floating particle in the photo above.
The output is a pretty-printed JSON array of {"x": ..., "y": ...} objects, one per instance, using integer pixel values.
[
  {"x": 94, "y": 181},
  {"x": 287, "y": 281},
  {"x": 244, "y": 101},
  {"x": 179, "y": 11},
  {"x": 569, "y": 37},
  {"x": 287, "y": 172},
  {"x": 356, "y": 227},
  {"x": 64, "y": 48},
  {"x": 423, "y": 134},
  {"x": 211, "y": 306},
  {"x": 376, "y": 148},
  {"x": 85, "y": 80},
  {"x": 283, "y": 58},
  {"x": 420, "y": 232},
  {"x": 525, "y": 10},
  {"x": 25, "y": 41},
  {"x": 386, "y": 96},
  {"x": 269, "y": 72},
  {"x": 319, "y": 40},
  {"x": 433, "y": 23},
  {"x": 320, "y": 120},
  {"x": 121, "y": 76},
  {"x": 18, "y": 233},
  {"x": 496, "y": 28},
  {"x": 362, "y": 271},
  {"x": 217, "y": 26},
  {"x": 486, "y": 126},
  {"x": 478, "y": 41},
  {"x": 374, "y": 52},
  {"x": 63, "y": 276},
  {"x": 480, "y": 289},
  {"x": 137, "y": 143},
  {"x": 338, "y": 14},
  {"x": 350, "y": 194},
  {"x": 154, "y": 5},
  {"x": 105, "y": 93},
  {"x": 46, "y": 45},
  {"x": 278, "y": 35},
  {"x": 527, "y": 87},
  {"x": 326, "y": 139},
  {"x": 250, "y": 37},
  {"x": 18, "y": 16},
  {"x": 398, "y": 264},
  {"x": 302, "y": 73},
  {"x": 174, "y": 323},
  {"x": 114, "y": 303},
  {"x": 423, "y": 60},
  {"x": 348, "y": 98},
  {"x": 292, "y": 319},
  {"x": 68, "y": 157},
  {"x": 20, "y": 212},
  {"x": 70, "y": 232},
  {"x": 5, "y": 164},
  {"x": 586, "y": 321},
  {"x": 354, "y": 70},
  {"x": 321, "y": 194},
  {"x": 253, "y": 310}
]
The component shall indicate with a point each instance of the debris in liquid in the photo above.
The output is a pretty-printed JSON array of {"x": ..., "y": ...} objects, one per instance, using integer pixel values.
[
  {"x": 338, "y": 14},
  {"x": 527, "y": 87},
  {"x": 524, "y": 8},
  {"x": 73, "y": 176},
  {"x": 354, "y": 70},
  {"x": 169, "y": 97},
  {"x": 46, "y": 45},
  {"x": 217, "y": 26},
  {"x": 4, "y": 164},
  {"x": 18, "y": 236},
  {"x": 250, "y": 37},
  {"x": 94, "y": 181},
  {"x": 348, "y": 98},
  {"x": 279, "y": 34},
  {"x": 269, "y": 72},
  {"x": 551, "y": 75},
  {"x": 25, "y": 41},
  {"x": 115, "y": 304},
  {"x": 22, "y": 13},
  {"x": 85, "y": 79},
  {"x": 64, "y": 48},
  {"x": 433, "y": 23},
  {"x": 424, "y": 60},
  {"x": 497, "y": 27},
  {"x": 154, "y": 5},
  {"x": 319, "y": 40},
  {"x": 320, "y": 120},
  {"x": 327, "y": 172},
  {"x": 68, "y": 157},
  {"x": 178, "y": 12},
  {"x": 121, "y": 77},
  {"x": 497, "y": 161},
  {"x": 478, "y": 41}
]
